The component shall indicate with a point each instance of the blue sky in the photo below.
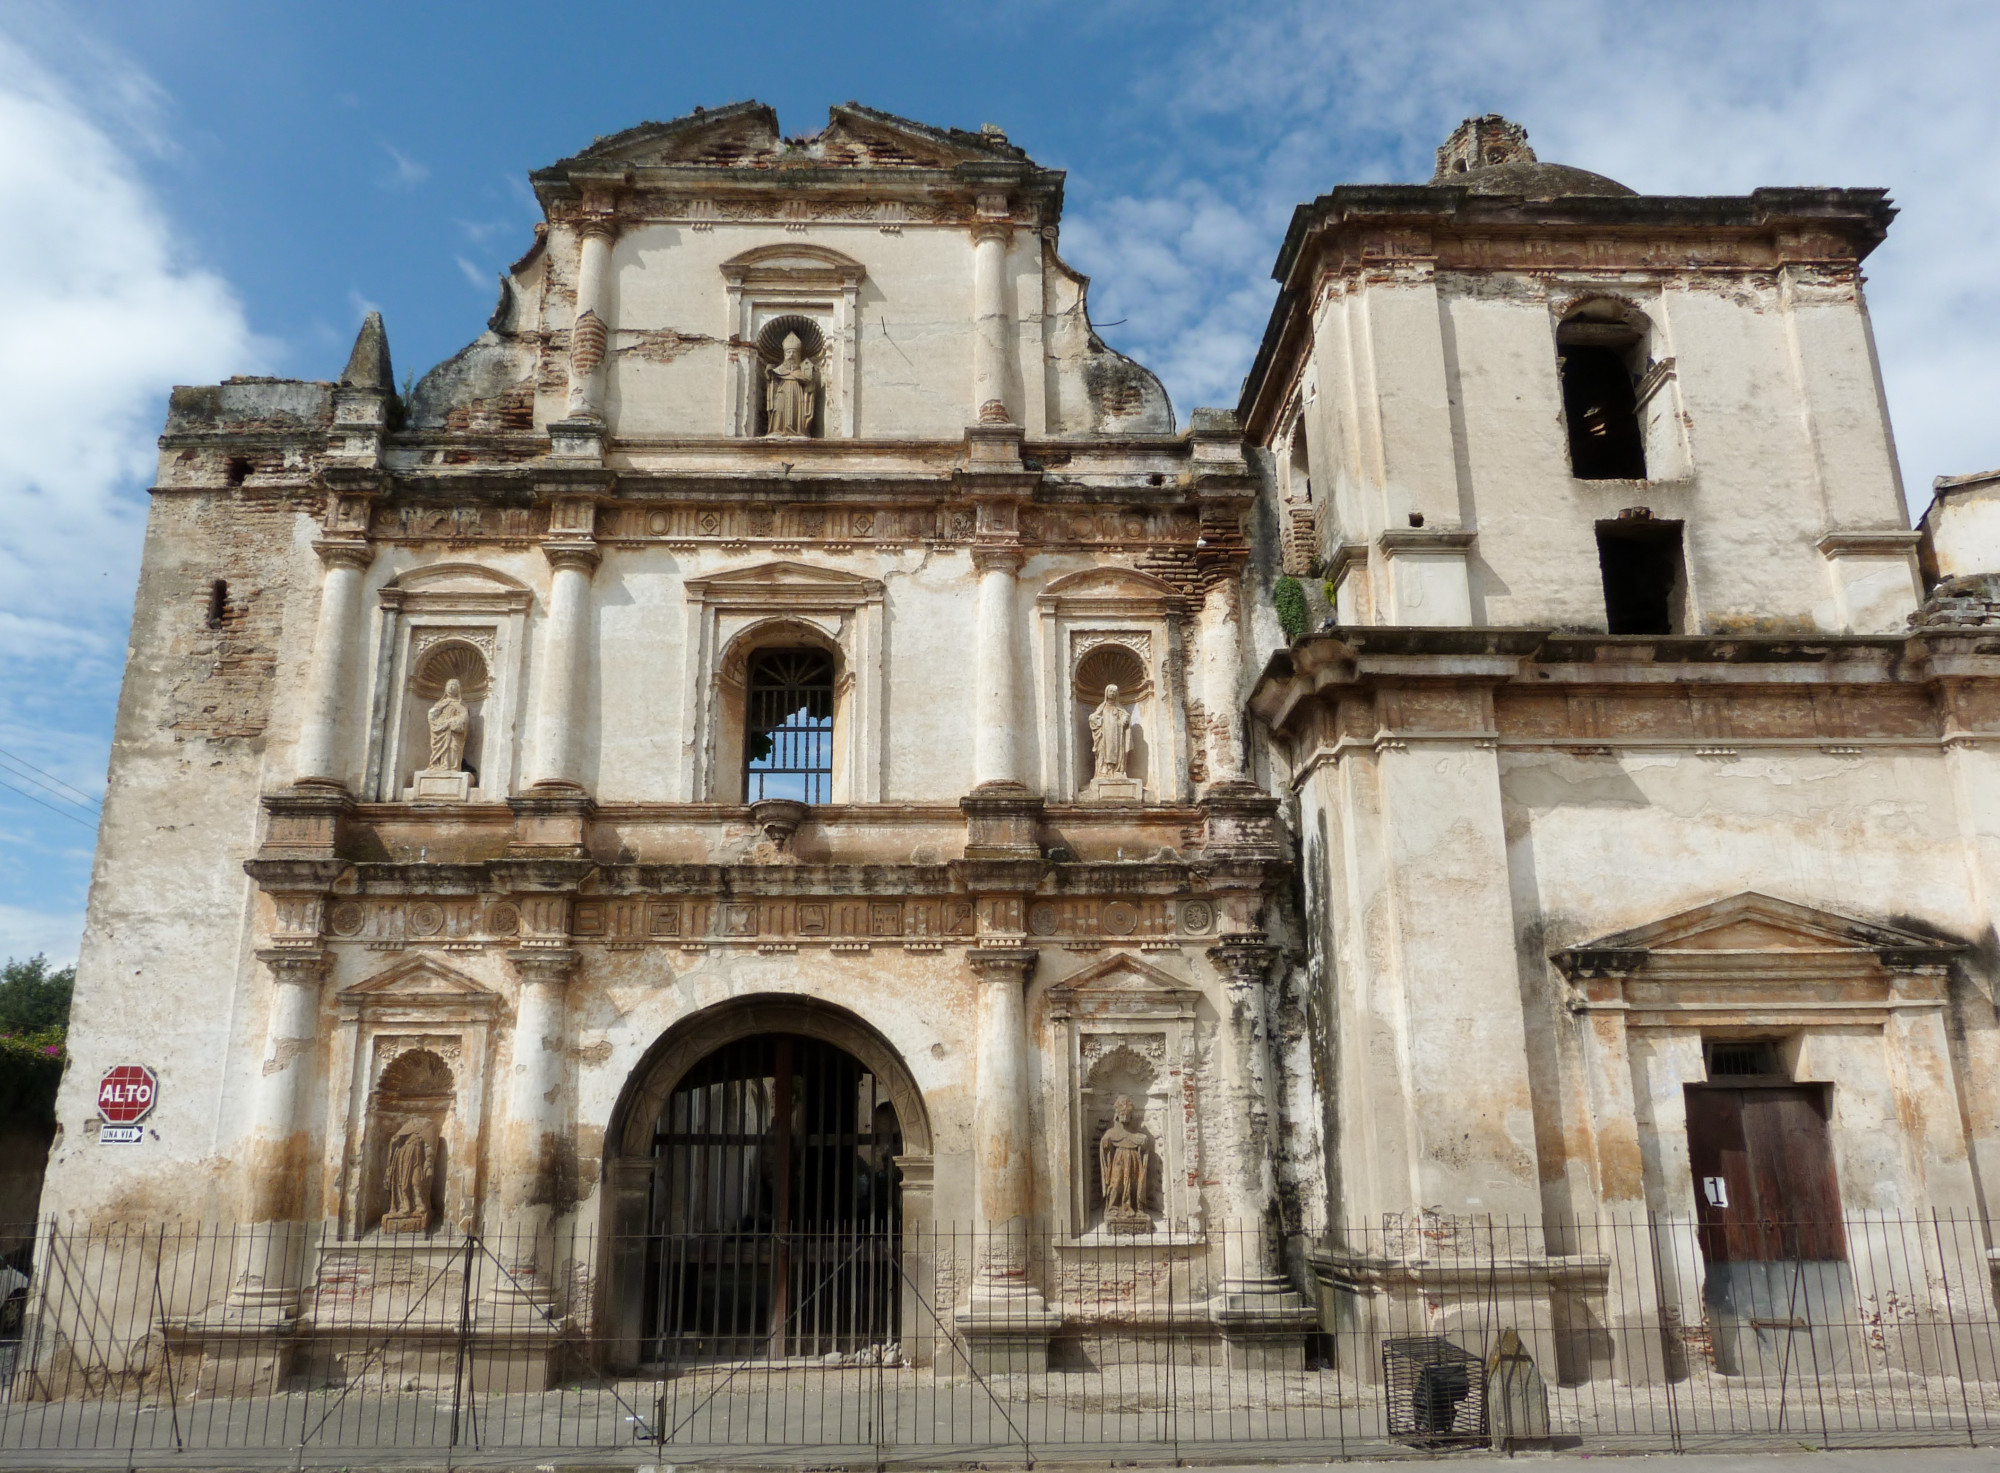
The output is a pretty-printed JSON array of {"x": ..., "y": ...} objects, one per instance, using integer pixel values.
[{"x": 194, "y": 190}]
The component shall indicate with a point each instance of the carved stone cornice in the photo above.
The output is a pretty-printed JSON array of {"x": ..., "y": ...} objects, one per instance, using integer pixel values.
[
  {"x": 546, "y": 966},
  {"x": 345, "y": 552},
  {"x": 1244, "y": 961},
  {"x": 296, "y": 966},
  {"x": 997, "y": 557},
  {"x": 1003, "y": 964},
  {"x": 582, "y": 556}
]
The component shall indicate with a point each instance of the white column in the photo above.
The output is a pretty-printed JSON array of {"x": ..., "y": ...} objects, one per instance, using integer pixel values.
[
  {"x": 1259, "y": 1312},
  {"x": 990, "y": 327},
  {"x": 1222, "y": 671},
  {"x": 532, "y": 1150},
  {"x": 531, "y": 1146},
  {"x": 997, "y": 714},
  {"x": 1004, "y": 1297},
  {"x": 271, "y": 1253},
  {"x": 590, "y": 333},
  {"x": 277, "y": 1114},
  {"x": 560, "y": 671},
  {"x": 334, "y": 638}
]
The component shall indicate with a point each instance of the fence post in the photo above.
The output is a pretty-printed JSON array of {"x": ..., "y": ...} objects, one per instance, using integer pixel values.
[
  {"x": 464, "y": 1334},
  {"x": 1951, "y": 1328}
]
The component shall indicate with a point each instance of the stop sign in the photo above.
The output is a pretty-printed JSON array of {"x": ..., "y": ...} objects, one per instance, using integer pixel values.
[{"x": 125, "y": 1095}]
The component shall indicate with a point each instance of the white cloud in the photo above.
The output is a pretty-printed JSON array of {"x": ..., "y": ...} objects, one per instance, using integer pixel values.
[
  {"x": 103, "y": 314},
  {"x": 480, "y": 279},
  {"x": 1283, "y": 99},
  {"x": 405, "y": 172}
]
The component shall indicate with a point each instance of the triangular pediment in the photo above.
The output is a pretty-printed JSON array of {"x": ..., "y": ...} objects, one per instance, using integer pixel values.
[
  {"x": 783, "y": 574},
  {"x": 1122, "y": 973},
  {"x": 1752, "y": 924},
  {"x": 419, "y": 981}
]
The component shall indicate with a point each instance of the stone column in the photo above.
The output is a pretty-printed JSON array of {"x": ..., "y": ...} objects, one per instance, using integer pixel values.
[
  {"x": 561, "y": 668},
  {"x": 1006, "y": 1323},
  {"x": 590, "y": 334},
  {"x": 272, "y": 1257},
  {"x": 534, "y": 1149},
  {"x": 1221, "y": 644},
  {"x": 991, "y": 330},
  {"x": 334, "y": 638},
  {"x": 1262, "y": 1317},
  {"x": 997, "y": 714}
]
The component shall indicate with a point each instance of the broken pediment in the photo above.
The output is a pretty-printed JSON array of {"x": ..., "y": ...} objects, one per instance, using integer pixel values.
[
  {"x": 1753, "y": 932},
  {"x": 746, "y": 135}
]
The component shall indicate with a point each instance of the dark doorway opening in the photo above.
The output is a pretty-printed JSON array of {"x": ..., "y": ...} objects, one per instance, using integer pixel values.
[
  {"x": 1767, "y": 1205},
  {"x": 1644, "y": 573},
  {"x": 776, "y": 1211}
]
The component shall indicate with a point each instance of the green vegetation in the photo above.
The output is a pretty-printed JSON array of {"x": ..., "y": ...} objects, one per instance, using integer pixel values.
[
  {"x": 1290, "y": 598},
  {"x": 34, "y": 1029}
]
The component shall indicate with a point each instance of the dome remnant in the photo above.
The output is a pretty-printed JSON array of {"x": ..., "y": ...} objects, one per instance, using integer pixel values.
[{"x": 1490, "y": 155}]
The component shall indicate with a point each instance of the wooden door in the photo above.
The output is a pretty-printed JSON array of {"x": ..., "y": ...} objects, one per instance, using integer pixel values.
[{"x": 1765, "y": 1189}]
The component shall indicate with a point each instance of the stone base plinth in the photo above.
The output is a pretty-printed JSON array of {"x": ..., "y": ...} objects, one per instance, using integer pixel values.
[
  {"x": 1263, "y": 1329},
  {"x": 441, "y": 787},
  {"x": 1007, "y": 1333},
  {"x": 1115, "y": 790},
  {"x": 1555, "y": 1303}
]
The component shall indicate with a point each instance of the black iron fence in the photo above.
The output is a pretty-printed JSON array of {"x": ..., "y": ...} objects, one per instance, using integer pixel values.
[{"x": 283, "y": 1343}]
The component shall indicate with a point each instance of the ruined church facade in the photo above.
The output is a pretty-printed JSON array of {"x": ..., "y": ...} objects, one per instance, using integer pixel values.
[{"x": 785, "y": 732}]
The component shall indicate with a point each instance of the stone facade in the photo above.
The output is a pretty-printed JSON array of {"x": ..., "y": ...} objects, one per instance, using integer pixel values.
[{"x": 445, "y": 844}]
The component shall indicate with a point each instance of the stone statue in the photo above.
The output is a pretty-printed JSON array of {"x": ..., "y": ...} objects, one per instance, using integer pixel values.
[
  {"x": 408, "y": 1174},
  {"x": 788, "y": 392},
  {"x": 1110, "y": 734},
  {"x": 449, "y": 720},
  {"x": 1124, "y": 1160}
]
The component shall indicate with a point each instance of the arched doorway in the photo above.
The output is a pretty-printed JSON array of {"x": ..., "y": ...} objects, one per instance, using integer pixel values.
[{"x": 759, "y": 1189}]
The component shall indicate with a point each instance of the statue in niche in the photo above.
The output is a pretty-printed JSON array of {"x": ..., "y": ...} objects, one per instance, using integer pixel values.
[
  {"x": 1110, "y": 734},
  {"x": 408, "y": 1175},
  {"x": 449, "y": 720},
  {"x": 1124, "y": 1161},
  {"x": 788, "y": 391}
]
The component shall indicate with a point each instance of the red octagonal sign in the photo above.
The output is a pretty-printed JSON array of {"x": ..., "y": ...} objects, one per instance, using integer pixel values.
[{"x": 125, "y": 1095}]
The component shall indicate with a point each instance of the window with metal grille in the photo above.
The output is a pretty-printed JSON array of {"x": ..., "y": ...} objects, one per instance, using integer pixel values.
[
  {"x": 788, "y": 726},
  {"x": 1735, "y": 1058}
]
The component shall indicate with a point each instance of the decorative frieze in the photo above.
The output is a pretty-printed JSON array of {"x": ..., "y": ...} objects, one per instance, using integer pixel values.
[{"x": 842, "y": 923}]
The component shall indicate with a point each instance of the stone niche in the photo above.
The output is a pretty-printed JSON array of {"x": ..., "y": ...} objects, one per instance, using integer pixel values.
[
  {"x": 802, "y": 290},
  {"x": 438, "y": 624},
  {"x": 408, "y": 1077},
  {"x": 1128, "y": 1032},
  {"x": 1113, "y": 626}
]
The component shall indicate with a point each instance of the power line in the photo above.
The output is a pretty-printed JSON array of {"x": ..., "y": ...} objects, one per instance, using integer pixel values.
[
  {"x": 86, "y": 823},
  {"x": 20, "y": 761}
]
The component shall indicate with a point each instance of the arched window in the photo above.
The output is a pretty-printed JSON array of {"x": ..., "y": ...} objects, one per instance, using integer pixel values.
[
  {"x": 1601, "y": 353},
  {"x": 788, "y": 726}
]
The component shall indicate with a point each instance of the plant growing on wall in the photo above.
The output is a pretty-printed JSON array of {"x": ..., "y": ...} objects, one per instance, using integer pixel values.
[{"x": 1289, "y": 597}]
